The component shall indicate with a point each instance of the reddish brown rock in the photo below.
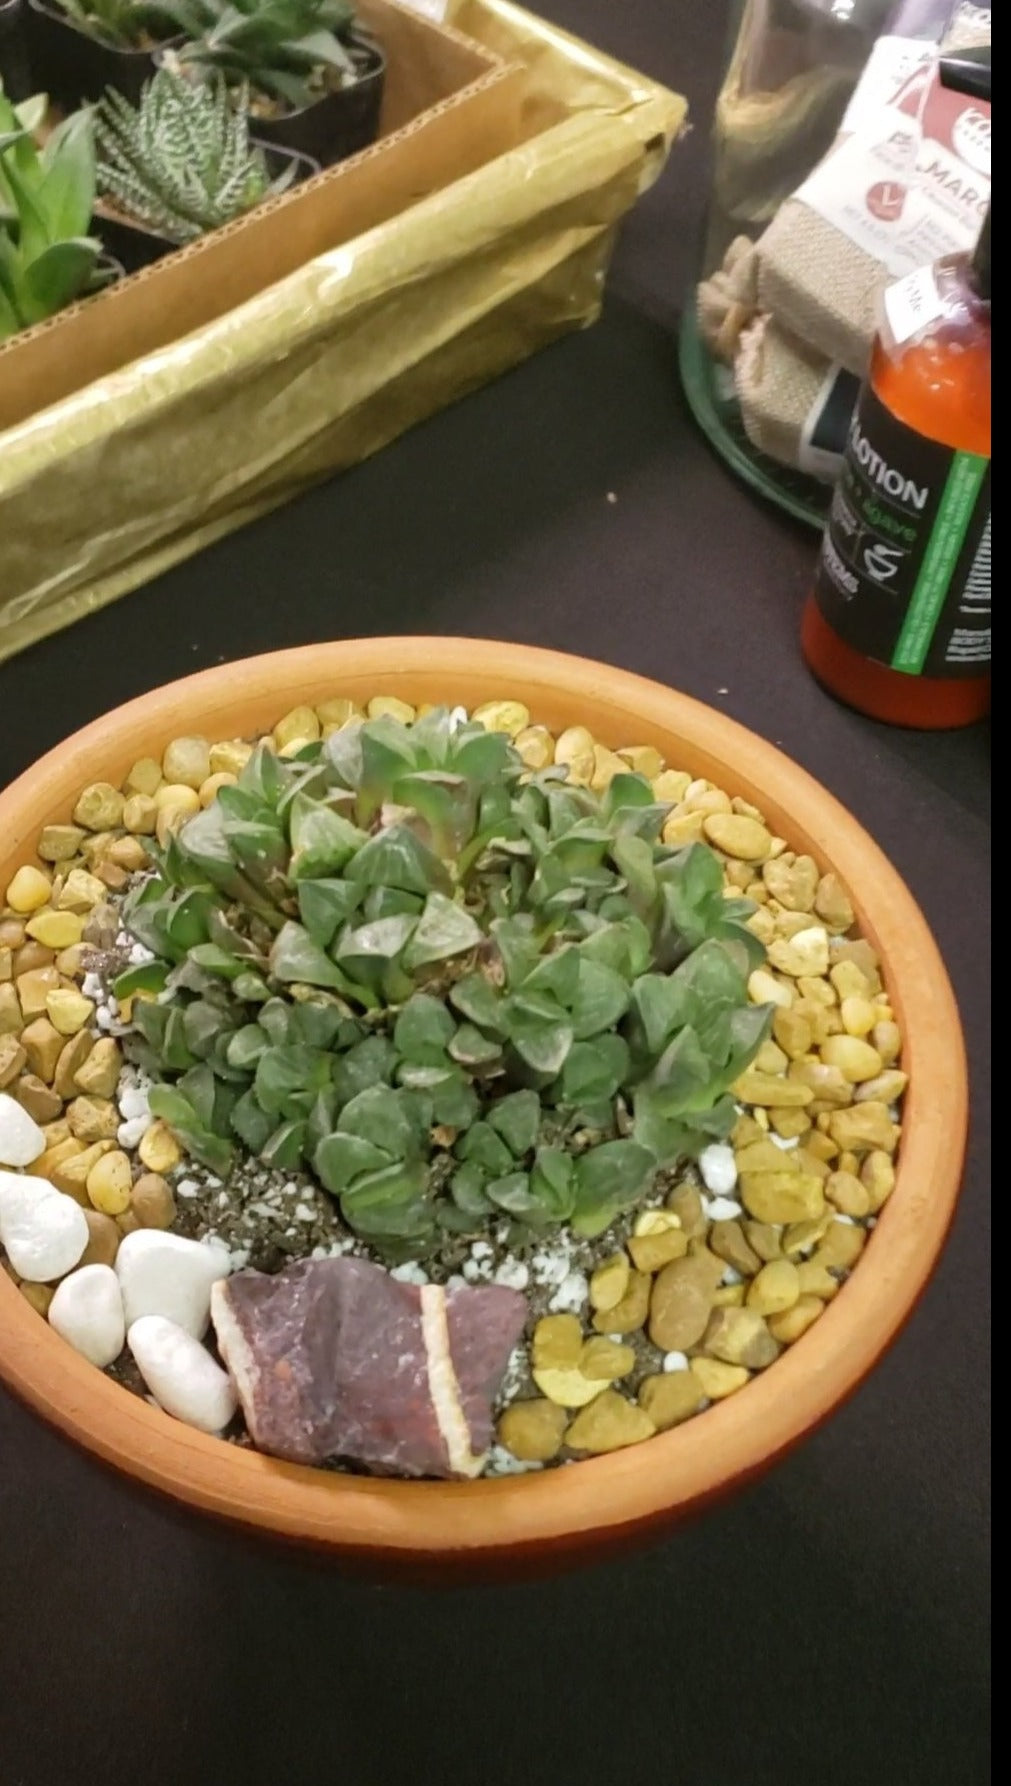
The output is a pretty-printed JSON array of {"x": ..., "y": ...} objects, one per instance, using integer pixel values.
[{"x": 333, "y": 1358}]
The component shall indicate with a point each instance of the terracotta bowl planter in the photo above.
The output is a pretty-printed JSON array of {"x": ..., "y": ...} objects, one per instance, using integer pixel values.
[{"x": 536, "y": 1520}]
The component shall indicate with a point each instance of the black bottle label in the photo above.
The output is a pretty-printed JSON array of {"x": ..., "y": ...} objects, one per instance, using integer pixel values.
[{"x": 904, "y": 572}]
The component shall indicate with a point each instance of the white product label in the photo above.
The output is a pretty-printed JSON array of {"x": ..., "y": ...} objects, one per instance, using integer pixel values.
[
  {"x": 891, "y": 61},
  {"x": 912, "y": 182},
  {"x": 912, "y": 304}
]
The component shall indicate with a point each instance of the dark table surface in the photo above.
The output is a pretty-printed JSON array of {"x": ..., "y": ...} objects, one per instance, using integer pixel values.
[{"x": 828, "y": 1627}]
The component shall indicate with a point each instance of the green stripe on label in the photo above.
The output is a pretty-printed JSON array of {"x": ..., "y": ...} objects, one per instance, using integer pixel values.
[{"x": 949, "y": 530}]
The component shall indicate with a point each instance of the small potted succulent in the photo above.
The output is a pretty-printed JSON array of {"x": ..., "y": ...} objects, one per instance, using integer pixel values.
[
  {"x": 77, "y": 48},
  {"x": 177, "y": 165},
  {"x": 48, "y": 257},
  {"x": 14, "y": 76},
  {"x": 315, "y": 79}
]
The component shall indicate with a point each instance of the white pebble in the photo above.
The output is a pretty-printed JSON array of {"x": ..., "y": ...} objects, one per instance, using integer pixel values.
[
  {"x": 675, "y": 1361},
  {"x": 481, "y": 1250},
  {"x": 140, "y": 954},
  {"x": 731, "y": 1275},
  {"x": 570, "y": 1294},
  {"x": 163, "y": 1274},
  {"x": 785, "y": 1142},
  {"x": 21, "y": 1139},
  {"x": 133, "y": 1102},
  {"x": 513, "y": 1274},
  {"x": 92, "y": 986},
  {"x": 131, "y": 1134},
  {"x": 87, "y": 1311},
  {"x": 718, "y": 1168},
  {"x": 180, "y": 1373},
  {"x": 43, "y": 1231},
  {"x": 723, "y": 1209}
]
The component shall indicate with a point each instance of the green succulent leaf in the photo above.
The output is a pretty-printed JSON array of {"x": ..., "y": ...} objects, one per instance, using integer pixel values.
[
  {"x": 517, "y": 1119},
  {"x": 513, "y": 1194},
  {"x": 148, "y": 977},
  {"x": 252, "y": 1125},
  {"x": 399, "y": 1186},
  {"x": 283, "y": 1149},
  {"x": 540, "y": 1032},
  {"x": 423, "y": 1030},
  {"x": 370, "y": 1062},
  {"x": 454, "y": 1101},
  {"x": 174, "y": 1108},
  {"x": 295, "y": 957},
  {"x": 340, "y": 1159},
  {"x": 367, "y": 954},
  {"x": 481, "y": 1146},
  {"x": 378, "y": 1115},
  {"x": 609, "y": 1179},
  {"x": 553, "y": 1184},
  {"x": 322, "y": 841},
  {"x": 594, "y": 1070},
  {"x": 466, "y": 1187},
  {"x": 246, "y": 1046},
  {"x": 287, "y": 1073},
  {"x": 443, "y": 931},
  {"x": 472, "y": 1048},
  {"x": 601, "y": 999},
  {"x": 476, "y": 999},
  {"x": 324, "y": 905}
]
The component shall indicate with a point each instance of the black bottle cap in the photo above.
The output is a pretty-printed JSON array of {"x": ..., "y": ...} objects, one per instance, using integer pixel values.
[{"x": 969, "y": 73}]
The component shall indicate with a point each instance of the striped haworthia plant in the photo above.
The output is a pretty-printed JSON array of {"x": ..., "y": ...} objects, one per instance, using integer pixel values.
[{"x": 181, "y": 162}]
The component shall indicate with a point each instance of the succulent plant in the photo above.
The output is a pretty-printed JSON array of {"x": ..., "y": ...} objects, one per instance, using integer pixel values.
[
  {"x": 276, "y": 47},
  {"x": 122, "y": 23},
  {"x": 47, "y": 257},
  {"x": 451, "y": 988},
  {"x": 181, "y": 161}
]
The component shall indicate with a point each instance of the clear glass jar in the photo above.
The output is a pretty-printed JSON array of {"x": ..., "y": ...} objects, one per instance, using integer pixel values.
[{"x": 792, "y": 69}]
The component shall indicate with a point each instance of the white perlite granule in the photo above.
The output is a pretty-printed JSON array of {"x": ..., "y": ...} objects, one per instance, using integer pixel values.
[
  {"x": 718, "y": 1168},
  {"x": 570, "y": 1295}
]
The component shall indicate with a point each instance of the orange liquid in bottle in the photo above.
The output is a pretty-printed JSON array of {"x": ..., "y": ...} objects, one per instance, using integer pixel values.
[{"x": 940, "y": 388}]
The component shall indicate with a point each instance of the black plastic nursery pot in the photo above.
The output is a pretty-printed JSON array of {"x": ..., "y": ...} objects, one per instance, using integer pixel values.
[
  {"x": 73, "y": 66},
  {"x": 134, "y": 246},
  {"x": 340, "y": 123},
  {"x": 15, "y": 78}
]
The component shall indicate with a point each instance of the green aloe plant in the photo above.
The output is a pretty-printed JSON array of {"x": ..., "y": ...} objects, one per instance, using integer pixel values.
[
  {"x": 181, "y": 161},
  {"x": 47, "y": 257},
  {"x": 454, "y": 990},
  {"x": 276, "y": 47},
  {"x": 125, "y": 24}
]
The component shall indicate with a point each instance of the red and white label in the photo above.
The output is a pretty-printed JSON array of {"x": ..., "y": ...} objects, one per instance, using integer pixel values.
[{"x": 911, "y": 182}]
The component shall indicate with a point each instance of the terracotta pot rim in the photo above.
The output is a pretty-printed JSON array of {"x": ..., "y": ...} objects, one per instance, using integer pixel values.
[{"x": 676, "y": 1471}]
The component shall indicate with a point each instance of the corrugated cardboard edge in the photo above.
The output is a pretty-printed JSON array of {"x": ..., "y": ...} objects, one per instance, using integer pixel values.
[
  {"x": 489, "y": 282},
  {"x": 449, "y": 103}
]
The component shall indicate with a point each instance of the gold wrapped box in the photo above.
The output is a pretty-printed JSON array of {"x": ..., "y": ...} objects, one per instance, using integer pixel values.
[{"x": 476, "y": 230}]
